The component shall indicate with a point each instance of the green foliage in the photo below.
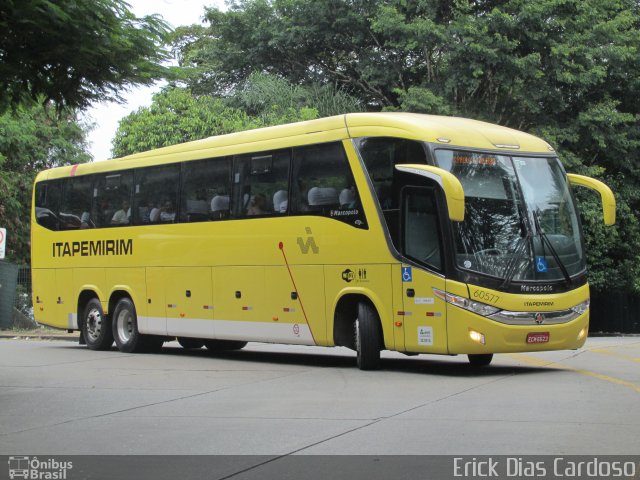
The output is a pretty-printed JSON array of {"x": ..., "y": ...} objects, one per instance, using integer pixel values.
[
  {"x": 321, "y": 41},
  {"x": 74, "y": 52},
  {"x": 612, "y": 254},
  {"x": 263, "y": 94},
  {"x": 176, "y": 116},
  {"x": 566, "y": 70},
  {"x": 421, "y": 100},
  {"x": 32, "y": 139}
]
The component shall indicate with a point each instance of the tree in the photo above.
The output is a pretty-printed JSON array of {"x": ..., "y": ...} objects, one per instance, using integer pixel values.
[
  {"x": 32, "y": 139},
  {"x": 73, "y": 52},
  {"x": 322, "y": 42},
  {"x": 176, "y": 115},
  {"x": 566, "y": 70},
  {"x": 269, "y": 96}
]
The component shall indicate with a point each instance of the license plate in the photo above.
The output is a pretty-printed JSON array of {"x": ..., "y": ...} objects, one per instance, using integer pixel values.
[{"x": 538, "y": 337}]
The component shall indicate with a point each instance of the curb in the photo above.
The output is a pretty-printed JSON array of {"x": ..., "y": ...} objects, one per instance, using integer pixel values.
[{"x": 18, "y": 336}]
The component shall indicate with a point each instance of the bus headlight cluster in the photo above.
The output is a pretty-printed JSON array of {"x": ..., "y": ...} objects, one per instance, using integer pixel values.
[
  {"x": 466, "y": 303},
  {"x": 581, "y": 307}
]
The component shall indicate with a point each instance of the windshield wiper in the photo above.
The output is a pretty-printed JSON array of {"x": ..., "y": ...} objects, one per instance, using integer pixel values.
[
  {"x": 518, "y": 252},
  {"x": 517, "y": 255},
  {"x": 545, "y": 240}
]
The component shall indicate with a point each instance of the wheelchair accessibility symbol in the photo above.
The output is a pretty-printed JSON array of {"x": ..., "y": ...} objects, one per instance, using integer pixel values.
[
  {"x": 541, "y": 264},
  {"x": 407, "y": 275}
]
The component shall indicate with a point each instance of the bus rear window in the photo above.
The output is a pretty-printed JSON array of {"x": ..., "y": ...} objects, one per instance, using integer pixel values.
[{"x": 48, "y": 203}]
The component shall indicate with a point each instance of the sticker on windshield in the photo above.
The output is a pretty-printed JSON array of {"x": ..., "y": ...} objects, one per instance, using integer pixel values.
[{"x": 541, "y": 264}]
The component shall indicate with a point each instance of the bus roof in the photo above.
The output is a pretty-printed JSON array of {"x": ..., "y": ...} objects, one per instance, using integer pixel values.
[{"x": 450, "y": 131}]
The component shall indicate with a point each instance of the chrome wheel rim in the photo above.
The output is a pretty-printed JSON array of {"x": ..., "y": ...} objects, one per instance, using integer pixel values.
[
  {"x": 124, "y": 324},
  {"x": 94, "y": 324}
]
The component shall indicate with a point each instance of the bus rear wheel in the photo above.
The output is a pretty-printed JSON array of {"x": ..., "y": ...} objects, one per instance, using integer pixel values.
[
  {"x": 480, "y": 359},
  {"x": 125, "y": 330},
  {"x": 96, "y": 326},
  {"x": 222, "y": 345},
  {"x": 367, "y": 337}
]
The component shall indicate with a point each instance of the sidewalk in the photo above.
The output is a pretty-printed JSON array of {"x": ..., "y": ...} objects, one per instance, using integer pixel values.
[{"x": 39, "y": 334}]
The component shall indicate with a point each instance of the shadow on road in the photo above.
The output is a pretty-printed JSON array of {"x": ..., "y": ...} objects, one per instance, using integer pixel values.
[
  {"x": 422, "y": 364},
  {"x": 449, "y": 366}
]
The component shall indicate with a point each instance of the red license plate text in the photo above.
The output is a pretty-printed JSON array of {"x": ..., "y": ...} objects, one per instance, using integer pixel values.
[{"x": 538, "y": 337}]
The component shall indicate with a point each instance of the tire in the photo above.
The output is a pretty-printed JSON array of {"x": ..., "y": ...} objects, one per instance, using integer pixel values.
[
  {"x": 190, "y": 343},
  {"x": 224, "y": 345},
  {"x": 96, "y": 326},
  {"x": 480, "y": 359},
  {"x": 125, "y": 330},
  {"x": 368, "y": 337}
]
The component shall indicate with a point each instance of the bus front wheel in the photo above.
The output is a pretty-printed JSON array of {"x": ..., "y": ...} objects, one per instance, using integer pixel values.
[
  {"x": 125, "y": 330},
  {"x": 367, "y": 337},
  {"x": 480, "y": 359},
  {"x": 96, "y": 326}
]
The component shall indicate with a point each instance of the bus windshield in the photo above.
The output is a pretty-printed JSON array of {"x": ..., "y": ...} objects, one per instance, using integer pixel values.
[{"x": 520, "y": 219}]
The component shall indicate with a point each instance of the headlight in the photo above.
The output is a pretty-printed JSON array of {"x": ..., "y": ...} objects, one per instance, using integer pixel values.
[
  {"x": 466, "y": 303},
  {"x": 581, "y": 307}
]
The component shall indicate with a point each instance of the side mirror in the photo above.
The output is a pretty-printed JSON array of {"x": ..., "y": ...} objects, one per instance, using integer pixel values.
[
  {"x": 451, "y": 186},
  {"x": 606, "y": 195}
]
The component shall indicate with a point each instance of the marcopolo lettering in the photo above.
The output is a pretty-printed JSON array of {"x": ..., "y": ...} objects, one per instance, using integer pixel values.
[{"x": 93, "y": 248}]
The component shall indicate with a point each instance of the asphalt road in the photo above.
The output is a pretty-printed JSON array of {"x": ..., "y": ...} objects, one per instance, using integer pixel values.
[{"x": 59, "y": 398}]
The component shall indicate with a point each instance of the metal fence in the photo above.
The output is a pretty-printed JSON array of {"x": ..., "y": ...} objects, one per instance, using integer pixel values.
[
  {"x": 23, "y": 302},
  {"x": 16, "y": 309},
  {"x": 8, "y": 278},
  {"x": 613, "y": 312}
]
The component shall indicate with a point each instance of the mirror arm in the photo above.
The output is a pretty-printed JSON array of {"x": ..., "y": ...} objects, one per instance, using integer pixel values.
[{"x": 607, "y": 198}]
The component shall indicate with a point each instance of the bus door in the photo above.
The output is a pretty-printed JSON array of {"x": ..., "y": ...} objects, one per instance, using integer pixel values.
[{"x": 424, "y": 315}]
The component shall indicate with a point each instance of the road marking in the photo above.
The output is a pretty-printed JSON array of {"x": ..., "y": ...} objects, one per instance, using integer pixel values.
[
  {"x": 606, "y": 351},
  {"x": 539, "y": 362}
]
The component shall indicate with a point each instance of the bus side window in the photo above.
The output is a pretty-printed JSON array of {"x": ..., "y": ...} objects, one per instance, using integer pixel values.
[
  {"x": 48, "y": 203},
  {"x": 205, "y": 190},
  {"x": 156, "y": 194},
  {"x": 112, "y": 200},
  {"x": 77, "y": 196},
  {"x": 323, "y": 184},
  {"x": 260, "y": 184}
]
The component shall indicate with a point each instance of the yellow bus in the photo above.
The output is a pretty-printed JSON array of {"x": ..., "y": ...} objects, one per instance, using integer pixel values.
[{"x": 373, "y": 231}]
